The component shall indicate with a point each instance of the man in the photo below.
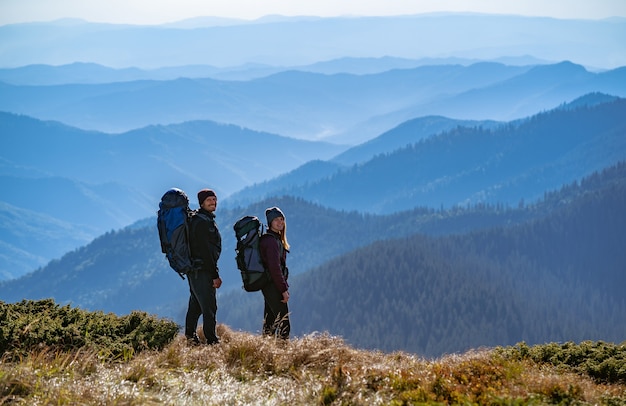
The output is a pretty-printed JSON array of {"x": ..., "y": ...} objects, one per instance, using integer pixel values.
[{"x": 206, "y": 245}]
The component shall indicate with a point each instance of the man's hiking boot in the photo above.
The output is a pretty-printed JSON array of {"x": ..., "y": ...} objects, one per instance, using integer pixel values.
[{"x": 193, "y": 340}]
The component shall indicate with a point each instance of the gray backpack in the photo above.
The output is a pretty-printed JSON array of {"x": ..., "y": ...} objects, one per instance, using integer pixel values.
[{"x": 248, "y": 231}]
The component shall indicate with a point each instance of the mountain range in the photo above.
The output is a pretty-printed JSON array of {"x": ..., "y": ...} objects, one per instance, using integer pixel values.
[
  {"x": 524, "y": 158},
  {"x": 449, "y": 180},
  {"x": 76, "y": 184},
  {"x": 339, "y": 108},
  {"x": 92, "y": 73},
  {"x": 480, "y": 273},
  {"x": 470, "y": 163},
  {"x": 114, "y": 179},
  {"x": 121, "y": 177},
  {"x": 296, "y": 41}
]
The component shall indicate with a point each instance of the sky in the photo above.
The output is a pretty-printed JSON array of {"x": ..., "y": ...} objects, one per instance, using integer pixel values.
[{"x": 164, "y": 11}]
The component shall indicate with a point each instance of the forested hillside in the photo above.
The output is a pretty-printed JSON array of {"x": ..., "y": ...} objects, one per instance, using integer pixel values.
[
  {"x": 487, "y": 275},
  {"x": 557, "y": 278},
  {"x": 524, "y": 276},
  {"x": 124, "y": 269}
]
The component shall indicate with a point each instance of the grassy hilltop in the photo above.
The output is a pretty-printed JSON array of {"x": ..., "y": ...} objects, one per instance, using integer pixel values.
[{"x": 63, "y": 355}]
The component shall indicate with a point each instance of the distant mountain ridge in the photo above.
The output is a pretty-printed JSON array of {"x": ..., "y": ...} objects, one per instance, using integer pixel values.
[
  {"x": 96, "y": 182},
  {"x": 417, "y": 129},
  {"x": 340, "y": 108},
  {"x": 588, "y": 42},
  {"x": 485, "y": 163},
  {"x": 29, "y": 239},
  {"x": 192, "y": 153},
  {"x": 92, "y": 73}
]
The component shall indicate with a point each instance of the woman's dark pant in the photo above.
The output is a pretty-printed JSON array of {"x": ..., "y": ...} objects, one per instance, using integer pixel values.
[
  {"x": 276, "y": 315},
  {"x": 202, "y": 301}
]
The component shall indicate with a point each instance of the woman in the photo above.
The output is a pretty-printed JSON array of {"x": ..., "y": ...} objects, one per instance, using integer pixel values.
[{"x": 274, "y": 248}]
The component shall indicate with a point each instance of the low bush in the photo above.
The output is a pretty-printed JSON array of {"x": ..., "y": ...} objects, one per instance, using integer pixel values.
[
  {"x": 604, "y": 362},
  {"x": 30, "y": 325}
]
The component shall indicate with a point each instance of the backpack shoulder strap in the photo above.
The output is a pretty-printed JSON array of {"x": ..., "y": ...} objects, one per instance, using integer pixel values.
[
  {"x": 193, "y": 214},
  {"x": 265, "y": 234},
  {"x": 281, "y": 248},
  {"x": 201, "y": 215}
]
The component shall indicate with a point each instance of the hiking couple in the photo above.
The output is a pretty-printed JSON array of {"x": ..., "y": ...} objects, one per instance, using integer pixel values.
[{"x": 206, "y": 245}]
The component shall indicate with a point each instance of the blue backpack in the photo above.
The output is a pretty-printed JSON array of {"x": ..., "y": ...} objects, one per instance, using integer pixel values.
[{"x": 173, "y": 223}]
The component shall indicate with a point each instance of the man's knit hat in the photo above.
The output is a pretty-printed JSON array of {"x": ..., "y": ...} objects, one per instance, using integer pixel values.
[
  {"x": 203, "y": 194},
  {"x": 271, "y": 213}
]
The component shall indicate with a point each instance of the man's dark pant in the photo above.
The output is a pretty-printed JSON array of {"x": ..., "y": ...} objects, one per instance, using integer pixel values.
[
  {"x": 202, "y": 301},
  {"x": 276, "y": 314}
]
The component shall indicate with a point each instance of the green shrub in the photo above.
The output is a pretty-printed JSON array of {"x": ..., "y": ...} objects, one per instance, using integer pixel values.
[
  {"x": 604, "y": 362},
  {"x": 30, "y": 325}
]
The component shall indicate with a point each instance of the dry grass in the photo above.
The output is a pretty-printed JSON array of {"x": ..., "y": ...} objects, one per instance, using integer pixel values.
[{"x": 246, "y": 369}]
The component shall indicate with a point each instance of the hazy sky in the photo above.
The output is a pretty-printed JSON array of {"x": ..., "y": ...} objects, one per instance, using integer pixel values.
[{"x": 160, "y": 11}]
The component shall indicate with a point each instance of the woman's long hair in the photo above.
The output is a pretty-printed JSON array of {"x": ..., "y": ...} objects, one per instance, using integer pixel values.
[{"x": 283, "y": 237}]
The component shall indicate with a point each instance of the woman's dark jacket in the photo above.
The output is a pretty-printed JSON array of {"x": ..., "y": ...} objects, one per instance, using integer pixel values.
[{"x": 274, "y": 257}]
